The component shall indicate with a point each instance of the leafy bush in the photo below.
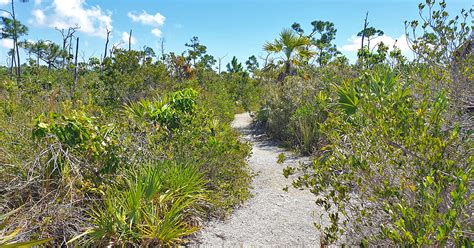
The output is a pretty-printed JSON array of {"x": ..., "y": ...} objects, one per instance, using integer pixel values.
[
  {"x": 195, "y": 136},
  {"x": 293, "y": 111},
  {"x": 394, "y": 162},
  {"x": 79, "y": 161},
  {"x": 169, "y": 112},
  {"x": 97, "y": 143},
  {"x": 304, "y": 124}
]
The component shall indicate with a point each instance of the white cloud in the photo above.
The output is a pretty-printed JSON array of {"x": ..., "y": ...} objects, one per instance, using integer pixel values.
[
  {"x": 157, "y": 20},
  {"x": 147, "y": 19},
  {"x": 156, "y": 32},
  {"x": 355, "y": 43},
  {"x": 38, "y": 2},
  {"x": 64, "y": 14},
  {"x": 3, "y": 2},
  {"x": 6, "y": 43},
  {"x": 125, "y": 37},
  {"x": 39, "y": 16}
]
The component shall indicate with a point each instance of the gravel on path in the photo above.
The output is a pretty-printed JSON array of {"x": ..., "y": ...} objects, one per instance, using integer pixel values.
[{"x": 272, "y": 217}]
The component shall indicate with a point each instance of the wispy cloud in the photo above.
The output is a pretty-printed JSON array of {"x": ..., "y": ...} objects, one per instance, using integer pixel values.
[
  {"x": 157, "y": 20},
  {"x": 156, "y": 32},
  {"x": 39, "y": 16},
  {"x": 147, "y": 19},
  {"x": 6, "y": 43},
  {"x": 125, "y": 38},
  {"x": 355, "y": 41},
  {"x": 92, "y": 20}
]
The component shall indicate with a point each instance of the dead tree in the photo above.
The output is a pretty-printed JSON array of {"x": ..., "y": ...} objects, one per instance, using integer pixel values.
[
  {"x": 67, "y": 36},
  {"x": 366, "y": 24},
  {"x": 115, "y": 47},
  {"x": 220, "y": 62},
  {"x": 130, "y": 41},
  {"x": 163, "y": 50},
  {"x": 107, "y": 42},
  {"x": 73, "y": 88}
]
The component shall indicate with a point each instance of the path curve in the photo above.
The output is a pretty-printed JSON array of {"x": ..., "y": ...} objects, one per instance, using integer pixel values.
[{"x": 272, "y": 217}]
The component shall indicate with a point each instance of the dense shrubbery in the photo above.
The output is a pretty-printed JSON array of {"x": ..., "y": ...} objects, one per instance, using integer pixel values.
[
  {"x": 130, "y": 156},
  {"x": 394, "y": 166},
  {"x": 391, "y": 139},
  {"x": 139, "y": 150}
]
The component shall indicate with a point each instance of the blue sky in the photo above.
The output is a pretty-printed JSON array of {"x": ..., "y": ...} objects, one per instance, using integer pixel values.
[{"x": 227, "y": 27}]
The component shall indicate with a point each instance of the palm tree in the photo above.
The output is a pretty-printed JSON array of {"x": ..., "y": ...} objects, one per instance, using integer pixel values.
[{"x": 293, "y": 46}]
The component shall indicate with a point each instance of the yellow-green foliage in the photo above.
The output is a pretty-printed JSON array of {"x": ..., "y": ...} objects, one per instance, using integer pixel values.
[
  {"x": 79, "y": 160},
  {"x": 394, "y": 153}
]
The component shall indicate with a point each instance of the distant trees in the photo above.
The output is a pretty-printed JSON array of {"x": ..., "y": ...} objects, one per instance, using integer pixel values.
[
  {"x": 46, "y": 51},
  {"x": 197, "y": 54},
  {"x": 321, "y": 37},
  {"x": 196, "y": 50},
  {"x": 252, "y": 63},
  {"x": 299, "y": 47},
  {"x": 148, "y": 53},
  {"x": 368, "y": 33},
  {"x": 12, "y": 29},
  {"x": 365, "y": 54},
  {"x": 234, "y": 66}
]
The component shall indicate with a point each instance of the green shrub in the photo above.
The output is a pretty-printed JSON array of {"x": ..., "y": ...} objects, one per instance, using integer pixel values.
[
  {"x": 157, "y": 204},
  {"x": 78, "y": 132},
  {"x": 199, "y": 138},
  {"x": 396, "y": 170},
  {"x": 304, "y": 124},
  {"x": 293, "y": 111},
  {"x": 169, "y": 112},
  {"x": 78, "y": 156}
]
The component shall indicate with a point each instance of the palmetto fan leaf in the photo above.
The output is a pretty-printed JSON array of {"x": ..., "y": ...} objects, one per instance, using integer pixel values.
[
  {"x": 293, "y": 46},
  {"x": 273, "y": 47}
]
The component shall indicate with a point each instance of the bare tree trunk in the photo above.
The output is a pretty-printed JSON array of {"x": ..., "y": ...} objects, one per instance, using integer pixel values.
[
  {"x": 363, "y": 30},
  {"x": 105, "y": 50},
  {"x": 15, "y": 43},
  {"x": 75, "y": 69},
  {"x": 13, "y": 60},
  {"x": 220, "y": 61},
  {"x": 130, "y": 41},
  {"x": 106, "y": 42},
  {"x": 18, "y": 58},
  {"x": 38, "y": 56},
  {"x": 64, "y": 57},
  {"x": 67, "y": 36},
  {"x": 366, "y": 24},
  {"x": 163, "y": 50}
]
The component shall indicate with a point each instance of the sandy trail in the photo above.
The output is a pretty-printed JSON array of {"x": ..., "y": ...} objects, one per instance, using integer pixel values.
[{"x": 272, "y": 217}]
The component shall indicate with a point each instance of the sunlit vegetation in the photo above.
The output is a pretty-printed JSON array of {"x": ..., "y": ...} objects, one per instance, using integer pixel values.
[
  {"x": 135, "y": 148},
  {"x": 391, "y": 137},
  {"x": 132, "y": 148}
]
